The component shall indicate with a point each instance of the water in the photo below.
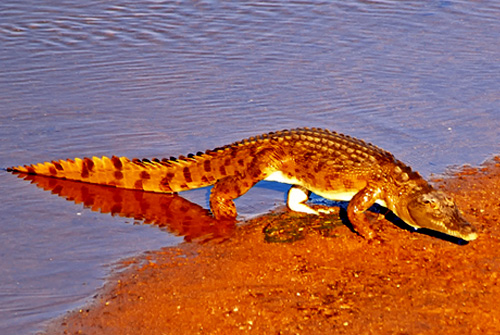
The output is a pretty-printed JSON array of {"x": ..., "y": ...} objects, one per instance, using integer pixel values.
[{"x": 162, "y": 78}]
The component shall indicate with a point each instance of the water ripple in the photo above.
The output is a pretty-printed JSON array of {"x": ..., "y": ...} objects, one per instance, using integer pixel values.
[{"x": 160, "y": 78}]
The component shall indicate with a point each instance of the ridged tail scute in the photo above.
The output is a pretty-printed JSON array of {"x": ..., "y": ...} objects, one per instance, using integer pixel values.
[{"x": 165, "y": 176}]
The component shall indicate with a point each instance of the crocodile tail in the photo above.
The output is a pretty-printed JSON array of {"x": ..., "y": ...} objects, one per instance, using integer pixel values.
[{"x": 165, "y": 176}]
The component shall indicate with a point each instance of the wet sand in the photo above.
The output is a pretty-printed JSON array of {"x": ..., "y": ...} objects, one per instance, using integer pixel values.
[{"x": 267, "y": 278}]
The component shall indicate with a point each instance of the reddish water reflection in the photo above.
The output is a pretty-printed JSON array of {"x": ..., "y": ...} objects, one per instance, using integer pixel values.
[{"x": 171, "y": 211}]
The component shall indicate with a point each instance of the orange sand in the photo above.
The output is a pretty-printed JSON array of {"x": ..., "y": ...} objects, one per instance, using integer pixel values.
[{"x": 328, "y": 281}]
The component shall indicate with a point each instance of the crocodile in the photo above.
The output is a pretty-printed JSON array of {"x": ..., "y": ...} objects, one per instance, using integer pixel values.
[{"x": 332, "y": 165}]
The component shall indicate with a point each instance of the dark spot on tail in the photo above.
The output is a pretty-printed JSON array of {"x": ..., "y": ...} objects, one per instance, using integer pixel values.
[
  {"x": 145, "y": 175},
  {"x": 222, "y": 170},
  {"x": 165, "y": 182},
  {"x": 118, "y": 175},
  {"x": 30, "y": 170},
  {"x": 168, "y": 178},
  {"x": 89, "y": 164},
  {"x": 208, "y": 179},
  {"x": 117, "y": 162},
  {"x": 187, "y": 175},
  {"x": 85, "y": 171},
  {"x": 58, "y": 165},
  {"x": 52, "y": 171},
  {"x": 206, "y": 166},
  {"x": 138, "y": 185}
]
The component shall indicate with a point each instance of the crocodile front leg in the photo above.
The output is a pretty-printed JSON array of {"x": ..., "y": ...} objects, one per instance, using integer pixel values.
[
  {"x": 360, "y": 203},
  {"x": 297, "y": 198}
]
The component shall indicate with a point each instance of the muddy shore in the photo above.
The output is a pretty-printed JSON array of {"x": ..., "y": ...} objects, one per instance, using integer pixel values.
[{"x": 292, "y": 274}]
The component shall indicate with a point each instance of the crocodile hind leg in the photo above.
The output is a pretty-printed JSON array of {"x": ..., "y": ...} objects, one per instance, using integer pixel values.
[
  {"x": 264, "y": 161},
  {"x": 227, "y": 189}
]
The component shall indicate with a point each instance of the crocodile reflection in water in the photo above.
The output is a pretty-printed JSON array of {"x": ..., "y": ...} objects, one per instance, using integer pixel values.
[{"x": 178, "y": 215}]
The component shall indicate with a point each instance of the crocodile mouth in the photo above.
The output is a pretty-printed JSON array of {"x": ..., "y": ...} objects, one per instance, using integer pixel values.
[{"x": 454, "y": 225}]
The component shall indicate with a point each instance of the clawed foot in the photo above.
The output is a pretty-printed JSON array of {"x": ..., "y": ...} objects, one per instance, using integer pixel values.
[
  {"x": 325, "y": 210},
  {"x": 223, "y": 209},
  {"x": 373, "y": 238},
  {"x": 365, "y": 230}
]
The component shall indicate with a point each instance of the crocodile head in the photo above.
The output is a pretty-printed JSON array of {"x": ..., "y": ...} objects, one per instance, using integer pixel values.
[{"x": 436, "y": 211}]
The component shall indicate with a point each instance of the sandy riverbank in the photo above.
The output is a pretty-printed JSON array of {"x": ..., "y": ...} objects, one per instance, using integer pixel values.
[{"x": 329, "y": 280}]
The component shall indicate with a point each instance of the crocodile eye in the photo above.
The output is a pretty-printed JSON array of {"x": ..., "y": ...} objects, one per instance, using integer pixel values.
[{"x": 430, "y": 203}]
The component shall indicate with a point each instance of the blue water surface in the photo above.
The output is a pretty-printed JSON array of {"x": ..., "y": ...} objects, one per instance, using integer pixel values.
[{"x": 163, "y": 78}]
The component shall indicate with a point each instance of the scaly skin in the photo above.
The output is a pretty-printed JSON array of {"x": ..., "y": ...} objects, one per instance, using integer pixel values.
[{"x": 335, "y": 166}]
